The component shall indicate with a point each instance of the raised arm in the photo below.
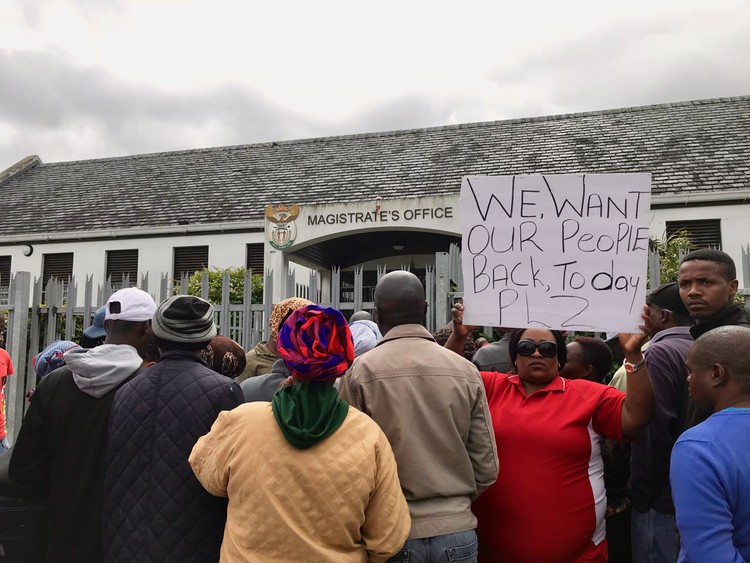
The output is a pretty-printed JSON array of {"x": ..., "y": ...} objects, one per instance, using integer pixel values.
[
  {"x": 638, "y": 408},
  {"x": 457, "y": 340}
]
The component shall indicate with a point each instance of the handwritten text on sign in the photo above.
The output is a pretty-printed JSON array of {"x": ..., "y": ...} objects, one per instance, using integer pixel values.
[{"x": 563, "y": 252}]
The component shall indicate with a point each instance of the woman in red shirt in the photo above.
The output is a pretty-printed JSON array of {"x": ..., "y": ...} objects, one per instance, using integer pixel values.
[{"x": 548, "y": 503}]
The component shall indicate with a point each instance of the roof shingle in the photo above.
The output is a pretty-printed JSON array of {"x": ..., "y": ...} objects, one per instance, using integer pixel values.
[{"x": 689, "y": 147}]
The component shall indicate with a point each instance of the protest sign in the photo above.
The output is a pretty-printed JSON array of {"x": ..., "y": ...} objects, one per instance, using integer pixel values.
[{"x": 565, "y": 252}]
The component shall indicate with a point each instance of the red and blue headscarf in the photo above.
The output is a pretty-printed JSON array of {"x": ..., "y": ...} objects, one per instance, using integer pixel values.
[{"x": 316, "y": 344}]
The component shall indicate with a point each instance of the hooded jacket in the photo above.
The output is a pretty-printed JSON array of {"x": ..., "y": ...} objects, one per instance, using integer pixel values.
[{"x": 60, "y": 451}]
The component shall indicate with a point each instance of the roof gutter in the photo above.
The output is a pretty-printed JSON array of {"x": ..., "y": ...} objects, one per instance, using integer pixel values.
[
  {"x": 139, "y": 232},
  {"x": 658, "y": 200},
  {"x": 702, "y": 197}
]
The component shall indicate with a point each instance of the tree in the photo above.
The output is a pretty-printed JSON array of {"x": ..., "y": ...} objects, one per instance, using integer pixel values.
[
  {"x": 236, "y": 284},
  {"x": 670, "y": 250}
]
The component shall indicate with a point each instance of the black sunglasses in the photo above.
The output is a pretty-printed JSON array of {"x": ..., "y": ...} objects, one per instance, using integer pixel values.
[{"x": 546, "y": 348}]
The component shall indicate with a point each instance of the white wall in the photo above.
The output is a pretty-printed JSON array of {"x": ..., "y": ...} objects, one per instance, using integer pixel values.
[
  {"x": 155, "y": 255},
  {"x": 735, "y": 226}
]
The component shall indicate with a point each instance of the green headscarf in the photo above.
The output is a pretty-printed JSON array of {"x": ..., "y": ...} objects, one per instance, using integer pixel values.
[{"x": 308, "y": 412}]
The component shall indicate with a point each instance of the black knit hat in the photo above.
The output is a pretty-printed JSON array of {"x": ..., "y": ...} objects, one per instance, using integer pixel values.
[{"x": 184, "y": 318}]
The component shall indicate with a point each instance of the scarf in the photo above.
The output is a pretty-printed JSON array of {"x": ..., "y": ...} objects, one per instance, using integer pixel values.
[{"x": 308, "y": 412}]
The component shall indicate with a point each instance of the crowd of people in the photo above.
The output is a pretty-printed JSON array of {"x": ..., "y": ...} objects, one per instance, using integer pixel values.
[{"x": 374, "y": 440}]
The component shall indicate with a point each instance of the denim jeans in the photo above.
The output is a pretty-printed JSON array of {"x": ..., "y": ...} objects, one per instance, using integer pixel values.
[
  {"x": 461, "y": 546},
  {"x": 654, "y": 537}
]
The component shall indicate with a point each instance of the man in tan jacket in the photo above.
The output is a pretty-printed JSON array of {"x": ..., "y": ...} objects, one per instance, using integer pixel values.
[{"x": 431, "y": 405}]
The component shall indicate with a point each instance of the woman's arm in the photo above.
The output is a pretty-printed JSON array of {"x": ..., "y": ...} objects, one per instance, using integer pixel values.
[
  {"x": 457, "y": 340},
  {"x": 638, "y": 408}
]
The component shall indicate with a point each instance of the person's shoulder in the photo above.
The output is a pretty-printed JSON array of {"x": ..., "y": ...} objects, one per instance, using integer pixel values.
[
  {"x": 486, "y": 353},
  {"x": 672, "y": 349},
  {"x": 260, "y": 349},
  {"x": 704, "y": 432},
  {"x": 494, "y": 380},
  {"x": 55, "y": 377},
  {"x": 678, "y": 336},
  {"x": 257, "y": 381},
  {"x": 253, "y": 409},
  {"x": 213, "y": 380},
  {"x": 362, "y": 425}
]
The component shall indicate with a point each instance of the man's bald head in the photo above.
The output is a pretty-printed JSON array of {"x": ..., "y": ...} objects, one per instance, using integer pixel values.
[
  {"x": 399, "y": 299},
  {"x": 728, "y": 346},
  {"x": 360, "y": 316}
]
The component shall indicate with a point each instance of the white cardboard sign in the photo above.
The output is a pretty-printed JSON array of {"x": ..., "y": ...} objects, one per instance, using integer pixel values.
[{"x": 565, "y": 252}]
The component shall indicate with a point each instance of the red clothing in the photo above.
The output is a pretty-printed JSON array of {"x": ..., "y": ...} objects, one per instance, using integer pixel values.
[
  {"x": 548, "y": 502},
  {"x": 6, "y": 368}
]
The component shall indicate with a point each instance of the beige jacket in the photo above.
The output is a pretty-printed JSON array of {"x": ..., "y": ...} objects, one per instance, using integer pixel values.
[
  {"x": 337, "y": 501},
  {"x": 431, "y": 404},
  {"x": 259, "y": 361}
]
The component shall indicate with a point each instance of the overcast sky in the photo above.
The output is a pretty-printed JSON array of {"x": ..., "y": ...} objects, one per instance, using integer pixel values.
[{"x": 86, "y": 79}]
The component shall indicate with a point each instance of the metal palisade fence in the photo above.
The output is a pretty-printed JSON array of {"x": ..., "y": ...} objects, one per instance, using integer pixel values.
[{"x": 39, "y": 315}]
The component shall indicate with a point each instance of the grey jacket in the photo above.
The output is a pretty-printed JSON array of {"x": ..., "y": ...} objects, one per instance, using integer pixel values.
[
  {"x": 263, "y": 387},
  {"x": 431, "y": 404},
  {"x": 495, "y": 356}
]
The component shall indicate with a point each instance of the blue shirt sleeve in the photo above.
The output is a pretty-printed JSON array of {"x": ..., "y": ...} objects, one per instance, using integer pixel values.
[{"x": 700, "y": 493}]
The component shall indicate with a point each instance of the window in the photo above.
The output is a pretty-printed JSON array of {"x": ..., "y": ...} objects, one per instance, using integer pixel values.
[
  {"x": 704, "y": 233},
  {"x": 58, "y": 265},
  {"x": 254, "y": 258},
  {"x": 121, "y": 263},
  {"x": 4, "y": 279},
  {"x": 189, "y": 259}
]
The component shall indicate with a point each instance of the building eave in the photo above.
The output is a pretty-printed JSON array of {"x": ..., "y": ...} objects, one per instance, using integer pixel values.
[{"x": 136, "y": 232}]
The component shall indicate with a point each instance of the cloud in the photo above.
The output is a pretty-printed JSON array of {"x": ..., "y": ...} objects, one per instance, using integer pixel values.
[
  {"x": 63, "y": 111},
  {"x": 53, "y": 105},
  {"x": 635, "y": 62},
  {"x": 46, "y": 100}
]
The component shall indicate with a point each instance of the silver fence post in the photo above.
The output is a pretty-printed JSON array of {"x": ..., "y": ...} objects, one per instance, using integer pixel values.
[
  {"x": 429, "y": 283},
  {"x": 225, "y": 326},
  {"x": 654, "y": 269},
  {"x": 336, "y": 287},
  {"x": 746, "y": 276},
  {"x": 20, "y": 288},
  {"x": 247, "y": 311},
  {"x": 442, "y": 288},
  {"x": 87, "y": 292},
  {"x": 358, "y": 284},
  {"x": 267, "y": 304},
  {"x": 70, "y": 321}
]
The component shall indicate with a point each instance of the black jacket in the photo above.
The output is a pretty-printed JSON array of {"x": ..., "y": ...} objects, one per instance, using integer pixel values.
[
  {"x": 59, "y": 455},
  {"x": 155, "y": 509},
  {"x": 732, "y": 315}
]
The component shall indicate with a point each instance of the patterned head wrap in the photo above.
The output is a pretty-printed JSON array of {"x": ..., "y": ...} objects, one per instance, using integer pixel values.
[
  {"x": 51, "y": 357},
  {"x": 281, "y": 310},
  {"x": 224, "y": 356},
  {"x": 316, "y": 344}
]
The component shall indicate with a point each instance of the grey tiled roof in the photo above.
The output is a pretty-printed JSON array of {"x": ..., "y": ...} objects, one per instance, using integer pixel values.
[{"x": 689, "y": 147}]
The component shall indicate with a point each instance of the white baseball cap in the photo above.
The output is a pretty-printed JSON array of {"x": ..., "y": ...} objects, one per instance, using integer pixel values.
[{"x": 130, "y": 304}]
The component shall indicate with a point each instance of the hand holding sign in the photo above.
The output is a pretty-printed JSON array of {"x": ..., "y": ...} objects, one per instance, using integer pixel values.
[{"x": 562, "y": 252}]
